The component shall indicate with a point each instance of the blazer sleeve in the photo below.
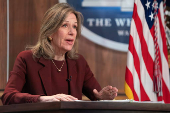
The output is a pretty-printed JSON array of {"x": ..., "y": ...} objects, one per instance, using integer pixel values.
[
  {"x": 13, "y": 90},
  {"x": 90, "y": 83}
]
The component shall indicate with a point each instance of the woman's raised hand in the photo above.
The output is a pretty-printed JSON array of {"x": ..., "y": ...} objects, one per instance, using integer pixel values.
[{"x": 107, "y": 93}]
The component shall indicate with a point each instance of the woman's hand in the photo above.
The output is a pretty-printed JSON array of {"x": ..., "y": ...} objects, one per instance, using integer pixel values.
[
  {"x": 64, "y": 97},
  {"x": 57, "y": 97},
  {"x": 107, "y": 93}
]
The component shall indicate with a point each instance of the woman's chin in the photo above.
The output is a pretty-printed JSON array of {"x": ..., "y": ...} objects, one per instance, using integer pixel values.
[{"x": 67, "y": 49}]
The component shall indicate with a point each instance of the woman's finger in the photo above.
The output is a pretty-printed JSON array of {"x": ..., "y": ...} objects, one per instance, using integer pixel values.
[
  {"x": 72, "y": 98},
  {"x": 113, "y": 96},
  {"x": 64, "y": 97}
]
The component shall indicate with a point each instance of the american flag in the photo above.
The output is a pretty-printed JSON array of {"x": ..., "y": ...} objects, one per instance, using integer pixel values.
[{"x": 147, "y": 72}]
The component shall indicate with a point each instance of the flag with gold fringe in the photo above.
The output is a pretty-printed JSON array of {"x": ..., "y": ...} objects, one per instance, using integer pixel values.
[{"x": 147, "y": 72}]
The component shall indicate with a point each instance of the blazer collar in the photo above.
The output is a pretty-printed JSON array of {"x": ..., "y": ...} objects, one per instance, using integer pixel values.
[{"x": 45, "y": 73}]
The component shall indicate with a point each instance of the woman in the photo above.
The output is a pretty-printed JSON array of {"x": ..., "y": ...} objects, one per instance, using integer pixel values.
[{"x": 52, "y": 70}]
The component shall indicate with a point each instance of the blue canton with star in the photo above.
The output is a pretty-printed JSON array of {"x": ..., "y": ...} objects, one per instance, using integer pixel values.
[{"x": 149, "y": 7}]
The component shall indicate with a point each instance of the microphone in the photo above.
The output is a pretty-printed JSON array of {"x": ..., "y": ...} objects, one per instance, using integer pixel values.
[{"x": 69, "y": 79}]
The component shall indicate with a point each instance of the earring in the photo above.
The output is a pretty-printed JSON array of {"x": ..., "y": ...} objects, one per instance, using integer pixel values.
[{"x": 49, "y": 38}]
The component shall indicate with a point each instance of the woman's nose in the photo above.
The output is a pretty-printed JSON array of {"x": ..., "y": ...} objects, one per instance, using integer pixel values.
[{"x": 71, "y": 31}]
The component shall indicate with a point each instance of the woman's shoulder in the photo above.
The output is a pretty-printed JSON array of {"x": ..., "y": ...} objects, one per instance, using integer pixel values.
[
  {"x": 25, "y": 54},
  {"x": 80, "y": 58}
]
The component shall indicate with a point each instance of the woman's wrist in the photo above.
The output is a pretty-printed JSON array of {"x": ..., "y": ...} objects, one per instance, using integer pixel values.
[{"x": 40, "y": 98}]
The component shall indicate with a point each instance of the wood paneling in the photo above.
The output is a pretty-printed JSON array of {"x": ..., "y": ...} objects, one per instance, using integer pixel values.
[
  {"x": 1, "y": 92},
  {"x": 107, "y": 65},
  {"x": 3, "y": 43},
  {"x": 25, "y": 19}
]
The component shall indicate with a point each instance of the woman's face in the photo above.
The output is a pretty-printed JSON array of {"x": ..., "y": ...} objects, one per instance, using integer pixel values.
[{"x": 63, "y": 39}]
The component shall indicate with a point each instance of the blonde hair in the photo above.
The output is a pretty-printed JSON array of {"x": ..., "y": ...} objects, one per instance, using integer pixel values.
[{"x": 52, "y": 20}]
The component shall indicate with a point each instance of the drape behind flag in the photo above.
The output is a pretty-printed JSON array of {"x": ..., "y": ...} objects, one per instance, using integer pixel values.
[{"x": 147, "y": 59}]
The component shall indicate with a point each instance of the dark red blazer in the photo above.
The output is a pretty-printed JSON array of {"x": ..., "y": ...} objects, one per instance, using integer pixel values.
[{"x": 31, "y": 77}]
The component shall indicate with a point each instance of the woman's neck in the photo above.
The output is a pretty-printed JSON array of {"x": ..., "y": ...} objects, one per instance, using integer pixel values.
[
  {"x": 59, "y": 53},
  {"x": 59, "y": 57}
]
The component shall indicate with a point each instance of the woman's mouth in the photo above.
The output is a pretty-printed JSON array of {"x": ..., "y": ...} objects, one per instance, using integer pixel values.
[{"x": 70, "y": 41}]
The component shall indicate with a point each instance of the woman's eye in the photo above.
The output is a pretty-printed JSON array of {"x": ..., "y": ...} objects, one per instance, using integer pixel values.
[
  {"x": 75, "y": 27},
  {"x": 65, "y": 25}
]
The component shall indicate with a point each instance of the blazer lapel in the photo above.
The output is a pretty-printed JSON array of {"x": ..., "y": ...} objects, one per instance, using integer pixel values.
[{"x": 45, "y": 74}]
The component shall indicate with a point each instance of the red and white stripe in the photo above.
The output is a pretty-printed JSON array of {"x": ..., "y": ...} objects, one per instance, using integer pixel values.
[{"x": 141, "y": 56}]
